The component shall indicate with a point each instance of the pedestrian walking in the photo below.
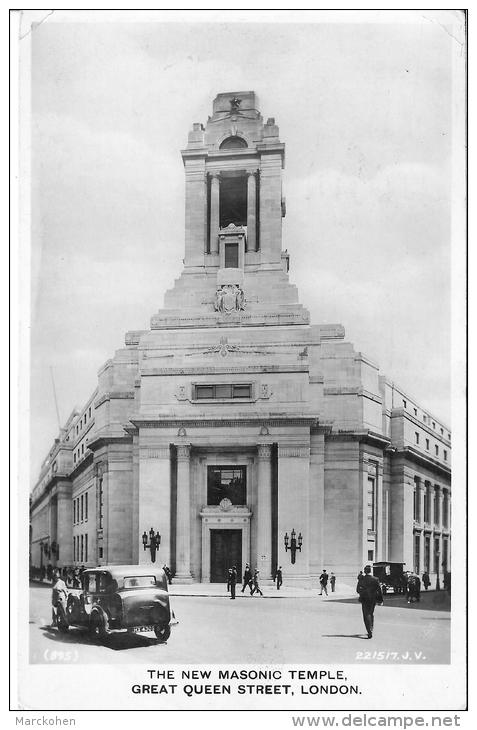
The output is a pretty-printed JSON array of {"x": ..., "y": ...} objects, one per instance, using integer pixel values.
[
  {"x": 324, "y": 582},
  {"x": 279, "y": 577},
  {"x": 370, "y": 594},
  {"x": 413, "y": 588},
  {"x": 168, "y": 573},
  {"x": 247, "y": 578},
  {"x": 256, "y": 587},
  {"x": 426, "y": 581},
  {"x": 332, "y": 582},
  {"x": 59, "y": 596},
  {"x": 447, "y": 582},
  {"x": 232, "y": 581}
]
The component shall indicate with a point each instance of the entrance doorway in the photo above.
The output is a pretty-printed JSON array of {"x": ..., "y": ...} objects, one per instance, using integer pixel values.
[{"x": 225, "y": 551}]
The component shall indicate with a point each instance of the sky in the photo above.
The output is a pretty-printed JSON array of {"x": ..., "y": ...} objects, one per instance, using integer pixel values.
[{"x": 365, "y": 111}]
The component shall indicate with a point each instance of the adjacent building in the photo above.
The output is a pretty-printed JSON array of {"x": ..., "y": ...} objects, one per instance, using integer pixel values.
[{"x": 234, "y": 428}]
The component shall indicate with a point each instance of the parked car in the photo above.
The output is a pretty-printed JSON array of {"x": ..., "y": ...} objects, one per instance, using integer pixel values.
[
  {"x": 115, "y": 598},
  {"x": 390, "y": 576}
]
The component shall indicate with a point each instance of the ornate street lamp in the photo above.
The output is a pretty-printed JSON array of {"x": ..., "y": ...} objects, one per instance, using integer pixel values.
[
  {"x": 154, "y": 542},
  {"x": 292, "y": 544}
]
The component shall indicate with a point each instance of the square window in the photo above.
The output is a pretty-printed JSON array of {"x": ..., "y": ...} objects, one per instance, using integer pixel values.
[
  {"x": 227, "y": 482},
  {"x": 223, "y": 391},
  {"x": 241, "y": 391},
  {"x": 204, "y": 391}
]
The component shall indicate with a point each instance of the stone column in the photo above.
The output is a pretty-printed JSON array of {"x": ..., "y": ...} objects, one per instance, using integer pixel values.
[
  {"x": 183, "y": 514},
  {"x": 214, "y": 212},
  {"x": 252, "y": 244},
  {"x": 264, "y": 526}
]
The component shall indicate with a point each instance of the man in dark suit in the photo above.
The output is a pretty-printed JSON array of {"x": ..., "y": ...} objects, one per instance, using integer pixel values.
[
  {"x": 247, "y": 579},
  {"x": 233, "y": 581},
  {"x": 370, "y": 594},
  {"x": 279, "y": 577}
]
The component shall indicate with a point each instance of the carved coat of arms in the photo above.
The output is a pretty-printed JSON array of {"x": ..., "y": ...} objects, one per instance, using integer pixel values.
[{"x": 229, "y": 298}]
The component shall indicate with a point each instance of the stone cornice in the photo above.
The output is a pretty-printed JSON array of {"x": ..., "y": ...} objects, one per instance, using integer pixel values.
[
  {"x": 112, "y": 395},
  {"x": 427, "y": 461},
  {"x": 369, "y": 437},
  {"x": 105, "y": 440},
  {"x": 215, "y": 422}
]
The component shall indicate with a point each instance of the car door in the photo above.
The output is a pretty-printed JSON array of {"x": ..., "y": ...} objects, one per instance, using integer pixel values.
[{"x": 89, "y": 591}]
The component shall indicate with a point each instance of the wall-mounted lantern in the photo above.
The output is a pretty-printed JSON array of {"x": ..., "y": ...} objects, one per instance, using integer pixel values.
[
  {"x": 293, "y": 544},
  {"x": 153, "y": 544}
]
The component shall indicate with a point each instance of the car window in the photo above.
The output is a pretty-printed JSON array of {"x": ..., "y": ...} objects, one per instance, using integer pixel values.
[
  {"x": 89, "y": 582},
  {"x": 139, "y": 581},
  {"x": 104, "y": 583}
]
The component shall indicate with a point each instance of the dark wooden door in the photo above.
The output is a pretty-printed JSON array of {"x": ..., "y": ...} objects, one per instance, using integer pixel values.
[{"x": 225, "y": 552}]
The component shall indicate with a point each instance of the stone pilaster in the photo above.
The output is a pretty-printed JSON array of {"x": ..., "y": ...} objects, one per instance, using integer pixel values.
[
  {"x": 293, "y": 508},
  {"x": 214, "y": 213},
  {"x": 264, "y": 539},
  {"x": 183, "y": 514},
  {"x": 64, "y": 536},
  {"x": 252, "y": 243},
  {"x": 155, "y": 500}
]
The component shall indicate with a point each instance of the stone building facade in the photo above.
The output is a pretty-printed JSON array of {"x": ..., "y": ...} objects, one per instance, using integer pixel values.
[{"x": 233, "y": 424}]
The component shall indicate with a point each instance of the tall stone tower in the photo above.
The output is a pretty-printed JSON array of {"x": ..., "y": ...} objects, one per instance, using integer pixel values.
[{"x": 233, "y": 222}]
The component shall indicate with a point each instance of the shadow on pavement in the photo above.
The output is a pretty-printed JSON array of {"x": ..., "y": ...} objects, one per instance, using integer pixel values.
[
  {"x": 345, "y": 636},
  {"x": 115, "y": 642},
  {"x": 439, "y": 601}
]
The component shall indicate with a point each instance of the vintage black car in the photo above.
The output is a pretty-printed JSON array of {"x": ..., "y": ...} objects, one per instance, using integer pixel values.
[
  {"x": 117, "y": 598},
  {"x": 391, "y": 576}
]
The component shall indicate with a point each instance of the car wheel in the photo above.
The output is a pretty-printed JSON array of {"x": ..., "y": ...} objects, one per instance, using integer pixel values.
[
  {"x": 162, "y": 632},
  {"x": 98, "y": 627}
]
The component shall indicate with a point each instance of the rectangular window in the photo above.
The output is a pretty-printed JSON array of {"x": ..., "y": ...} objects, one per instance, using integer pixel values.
[
  {"x": 404, "y": 403},
  {"x": 414, "y": 511},
  {"x": 371, "y": 556},
  {"x": 436, "y": 507},
  {"x": 417, "y": 553},
  {"x": 86, "y": 506},
  {"x": 436, "y": 448},
  {"x": 100, "y": 503},
  {"x": 417, "y": 437},
  {"x": 427, "y": 500},
  {"x": 89, "y": 412},
  {"x": 371, "y": 509},
  {"x": 231, "y": 255},
  {"x": 74, "y": 549},
  {"x": 445, "y": 554},
  {"x": 86, "y": 548},
  {"x": 442, "y": 431},
  {"x": 223, "y": 391},
  {"x": 427, "y": 553},
  {"x": 436, "y": 554},
  {"x": 227, "y": 482},
  {"x": 74, "y": 458},
  {"x": 82, "y": 548},
  {"x": 415, "y": 411},
  {"x": 74, "y": 512},
  {"x": 427, "y": 444},
  {"x": 445, "y": 455},
  {"x": 100, "y": 552},
  {"x": 445, "y": 508},
  {"x": 82, "y": 448},
  {"x": 82, "y": 506},
  {"x": 433, "y": 425}
]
